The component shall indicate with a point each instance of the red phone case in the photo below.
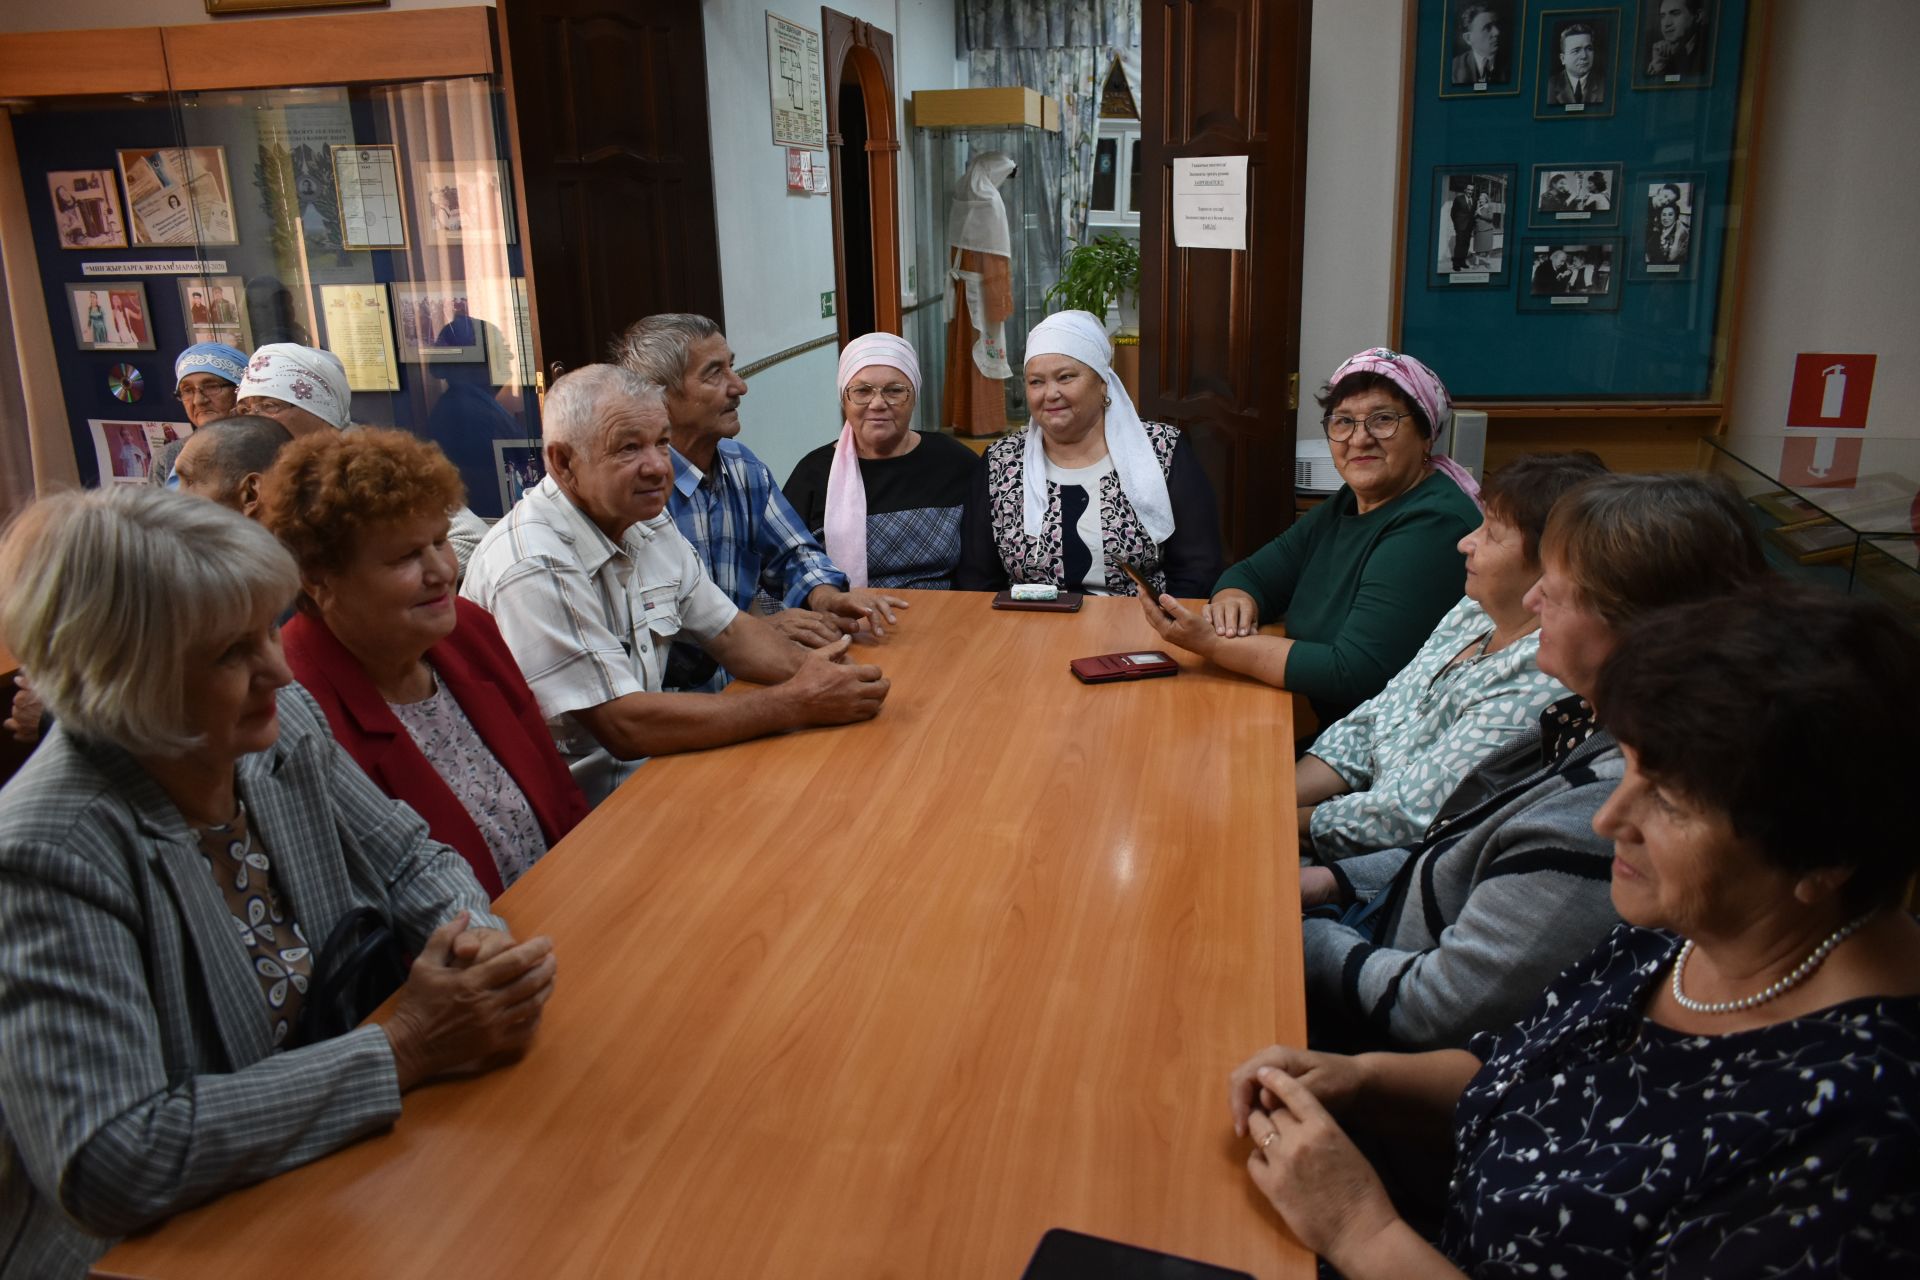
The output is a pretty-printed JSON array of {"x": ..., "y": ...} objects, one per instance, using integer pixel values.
[{"x": 1108, "y": 667}]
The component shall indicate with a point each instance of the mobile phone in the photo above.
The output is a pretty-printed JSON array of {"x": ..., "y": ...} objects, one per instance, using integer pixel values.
[
  {"x": 1065, "y": 602},
  {"x": 1071, "y": 1255},
  {"x": 1146, "y": 588},
  {"x": 1109, "y": 667}
]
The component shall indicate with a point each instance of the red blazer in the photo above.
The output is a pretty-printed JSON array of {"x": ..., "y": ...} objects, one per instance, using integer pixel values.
[{"x": 481, "y": 674}]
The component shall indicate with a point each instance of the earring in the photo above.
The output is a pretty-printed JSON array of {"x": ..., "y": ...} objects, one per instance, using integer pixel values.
[{"x": 1106, "y": 402}]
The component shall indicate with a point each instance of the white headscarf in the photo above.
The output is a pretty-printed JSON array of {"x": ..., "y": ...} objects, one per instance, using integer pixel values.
[
  {"x": 1079, "y": 335},
  {"x": 978, "y": 217},
  {"x": 305, "y": 377},
  {"x": 846, "y": 521}
]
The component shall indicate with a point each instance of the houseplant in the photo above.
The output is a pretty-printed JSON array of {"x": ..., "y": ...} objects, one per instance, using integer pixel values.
[{"x": 1098, "y": 275}]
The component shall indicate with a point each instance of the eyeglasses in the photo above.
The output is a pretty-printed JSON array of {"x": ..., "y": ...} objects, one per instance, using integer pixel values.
[
  {"x": 211, "y": 395},
  {"x": 1380, "y": 426},
  {"x": 895, "y": 393}
]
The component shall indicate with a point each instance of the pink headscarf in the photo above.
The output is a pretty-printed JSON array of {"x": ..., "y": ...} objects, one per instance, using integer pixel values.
[
  {"x": 846, "y": 524},
  {"x": 1423, "y": 388}
]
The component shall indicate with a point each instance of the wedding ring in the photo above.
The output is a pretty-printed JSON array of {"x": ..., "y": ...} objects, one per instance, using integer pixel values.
[{"x": 1268, "y": 1140}]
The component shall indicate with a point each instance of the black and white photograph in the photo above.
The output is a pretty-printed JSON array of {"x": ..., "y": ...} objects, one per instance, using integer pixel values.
[
  {"x": 110, "y": 316},
  {"x": 1574, "y": 67},
  {"x": 86, "y": 208},
  {"x": 1587, "y": 194},
  {"x": 1665, "y": 235},
  {"x": 1571, "y": 275},
  {"x": 1470, "y": 225},
  {"x": 521, "y": 466},
  {"x": 1674, "y": 46},
  {"x": 1482, "y": 53}
]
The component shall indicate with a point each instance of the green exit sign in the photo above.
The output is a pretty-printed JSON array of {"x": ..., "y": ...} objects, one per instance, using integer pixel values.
[{"x": 826, "y": 304}]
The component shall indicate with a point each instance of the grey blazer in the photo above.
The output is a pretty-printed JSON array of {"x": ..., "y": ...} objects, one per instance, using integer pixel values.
[{"x": 136, "y": 1071}]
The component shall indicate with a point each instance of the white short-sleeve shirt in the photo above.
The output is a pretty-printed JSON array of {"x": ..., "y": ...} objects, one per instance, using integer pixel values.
[{"x": 588, "y": 619}]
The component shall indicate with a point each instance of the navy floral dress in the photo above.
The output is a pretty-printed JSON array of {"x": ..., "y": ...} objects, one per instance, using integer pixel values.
[{"x": 1596, "y": 1143}]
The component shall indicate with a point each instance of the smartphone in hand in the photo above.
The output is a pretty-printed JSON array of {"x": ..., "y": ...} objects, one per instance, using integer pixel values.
[{"x": 1145, "y": 588}]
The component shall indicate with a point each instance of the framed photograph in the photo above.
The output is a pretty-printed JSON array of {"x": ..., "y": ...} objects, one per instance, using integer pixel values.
[
  {"x": 521, "y": 465},
  {"x": 1673, "y": 47},
  {"x": 1820, "y": 541},
  {"x": 462, "y": 204},
  {"x": 86, "y": 209},
  {"x": 1571, "y": 275},
  {"x": 110, "y": 315},
  {"x": 1573, "y": 69},
  {"x": 373, "y": 212},
  {"x": 121, "y": 450},
  {"x": 432, "y": 323},
  {"x": 1584, "y": 194},
  {"x": 215, "y": 309},
  {"x": 1482, "y": 53},
  {"x": 1666, "y": 225},
  {"x": 1470, "y": 206},
  {"x": 179, "y": 195}
]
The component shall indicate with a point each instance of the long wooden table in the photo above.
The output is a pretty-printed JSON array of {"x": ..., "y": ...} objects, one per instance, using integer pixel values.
[{"x": 880, "y": 1001}]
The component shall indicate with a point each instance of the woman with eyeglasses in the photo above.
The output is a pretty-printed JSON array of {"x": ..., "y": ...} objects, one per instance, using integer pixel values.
[
  {"x": 1088, "y": 487},
  {"x": 206, "y": 378},
  {"x": 885, "y": 500},
  {"x": 1362, "y": 579}
]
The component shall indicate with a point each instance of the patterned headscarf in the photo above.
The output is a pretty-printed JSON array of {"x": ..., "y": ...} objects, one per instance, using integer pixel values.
[
  {"x": 216, "y": 358},
  {"x": 1422, "y": 387},
  {"x": 305, "y": 377},
  {"x": 1079, "y": 336},
  {"x": 846, "y": 522}
]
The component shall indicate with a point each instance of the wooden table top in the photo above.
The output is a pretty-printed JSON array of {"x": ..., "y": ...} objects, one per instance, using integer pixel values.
[{"x": 885, "y": 1000}]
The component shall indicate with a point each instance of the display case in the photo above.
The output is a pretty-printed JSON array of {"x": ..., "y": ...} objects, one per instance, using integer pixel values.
[
  {"x": 373, "y": 219},
  {"x": 941, "y": 155}
]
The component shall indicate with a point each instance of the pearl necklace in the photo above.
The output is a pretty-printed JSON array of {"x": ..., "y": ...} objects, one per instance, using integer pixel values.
[{"x": 1779, "y": 988}]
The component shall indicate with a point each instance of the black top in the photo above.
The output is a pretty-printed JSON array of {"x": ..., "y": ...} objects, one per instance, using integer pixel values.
[{"x": 914, "y": 504}]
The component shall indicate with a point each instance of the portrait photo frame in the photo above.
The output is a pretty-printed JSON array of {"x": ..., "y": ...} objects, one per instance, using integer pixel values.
[
  {"x": 1486, "y": 260},
  {"x": 1554, "y": 93},
  {"x": 214, "y": 309},
  {"x": 1680, "y": 60},
  {"x": 1464, "y": 33},
  {"x": 462, "y": 204},
  {"x": 86, "y": 209},
  {"x": 110, "y": 315},
  {"x": 520, "y": 465},
  {"x": 1661, "y": 253},
  {"x": 427, "y": 323},
  {"x": 1569, "y": 275},
  {"x": 1585, "y": 194}
]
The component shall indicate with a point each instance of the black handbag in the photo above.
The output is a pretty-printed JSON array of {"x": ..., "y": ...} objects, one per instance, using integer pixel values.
[{"x": 360, "y": 965}]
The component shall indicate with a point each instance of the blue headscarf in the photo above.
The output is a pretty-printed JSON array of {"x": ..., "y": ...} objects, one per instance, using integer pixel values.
[{"x": 216, "y": 358}]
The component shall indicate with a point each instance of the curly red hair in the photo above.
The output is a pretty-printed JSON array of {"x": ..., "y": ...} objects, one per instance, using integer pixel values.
[{"x": 327, "y": 488}]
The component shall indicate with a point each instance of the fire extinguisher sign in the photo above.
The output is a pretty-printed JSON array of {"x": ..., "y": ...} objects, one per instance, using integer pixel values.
[{"x": 1830, "y": 390}]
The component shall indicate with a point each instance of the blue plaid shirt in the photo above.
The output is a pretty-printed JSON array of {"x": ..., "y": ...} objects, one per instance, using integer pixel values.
[{"x": 747, "y": 533}]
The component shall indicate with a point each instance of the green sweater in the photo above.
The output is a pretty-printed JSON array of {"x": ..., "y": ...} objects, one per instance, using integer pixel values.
[{"x": 1360, "y": 593}]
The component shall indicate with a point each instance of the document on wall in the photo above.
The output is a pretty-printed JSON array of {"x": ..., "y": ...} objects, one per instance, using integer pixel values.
[
  {"x": 1210, "y": 202},
  {"x": 360, "y": 332},
  {"x": 794, "y": 82}
]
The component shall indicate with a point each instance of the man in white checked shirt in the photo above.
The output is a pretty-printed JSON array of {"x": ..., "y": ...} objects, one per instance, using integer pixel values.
[{"x": 591, "y": 583}]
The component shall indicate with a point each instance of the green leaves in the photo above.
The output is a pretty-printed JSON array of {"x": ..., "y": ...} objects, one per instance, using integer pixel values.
[{"x": 1095, "y": 274}]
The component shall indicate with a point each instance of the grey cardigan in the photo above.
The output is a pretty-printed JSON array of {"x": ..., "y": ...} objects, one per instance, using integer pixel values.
[
  {"x": 1510, "y": 886},
  {"x": 136, "y": 1071}
]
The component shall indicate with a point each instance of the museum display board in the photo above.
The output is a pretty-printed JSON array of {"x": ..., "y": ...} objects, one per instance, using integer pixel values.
[
  {"x": 373, "y": 219},
  {"x": 1571, "y": 192}
]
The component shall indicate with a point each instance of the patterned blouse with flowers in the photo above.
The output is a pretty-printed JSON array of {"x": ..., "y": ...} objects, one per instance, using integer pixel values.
[
  {"x": 277, "y": 950},
  {"x": 1594, "y": 1142}
]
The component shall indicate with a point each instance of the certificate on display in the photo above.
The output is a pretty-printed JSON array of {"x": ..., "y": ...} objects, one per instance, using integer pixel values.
[
  {"x": 179, "y": 195},
  {"x": 360, "y": 332},
  {"x": 373, "y": 214}
]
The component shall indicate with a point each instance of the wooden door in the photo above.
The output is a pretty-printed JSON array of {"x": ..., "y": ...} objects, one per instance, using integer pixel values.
[
  {"x": 610, "y": 103},
  {"x": 1219, "y": 328},
  {"x": 863, "y": 148}
]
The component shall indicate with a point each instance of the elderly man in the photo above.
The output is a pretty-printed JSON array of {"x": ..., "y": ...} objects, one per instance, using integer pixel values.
[
  {"x": 727, "y": 502},
  {"x": 224, "y": 461},
  {"x": 591, "y": 582}
]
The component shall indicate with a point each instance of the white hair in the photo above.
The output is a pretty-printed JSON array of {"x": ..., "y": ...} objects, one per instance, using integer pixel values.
[
  {"x": 105, "y": 593},
  {"x": 577, "y": 403},
  {"x": 658, "y": 347}
]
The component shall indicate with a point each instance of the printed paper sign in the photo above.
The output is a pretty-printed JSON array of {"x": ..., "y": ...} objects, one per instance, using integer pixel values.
[{"x": 1210, "y": 202}]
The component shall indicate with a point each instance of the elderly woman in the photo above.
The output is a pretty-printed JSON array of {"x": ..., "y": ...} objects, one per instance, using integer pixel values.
[
  {"x": 885, "y": 500},
  {"x": 206, "y": 377},
  {"x": 1362, "y": 579},
  {"x": 1377, "y": 777},
  {"x": 417, "y": 683},
  {"x": 174, "y": 861},
  {"x": 1729, "y": 1084},
  {"x": 1088, "y": 486},
  {"x": 1421, "y": 946}
]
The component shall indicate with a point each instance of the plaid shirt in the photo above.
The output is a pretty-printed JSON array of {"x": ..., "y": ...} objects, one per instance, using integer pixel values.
[{"x": 748, "y": 535}]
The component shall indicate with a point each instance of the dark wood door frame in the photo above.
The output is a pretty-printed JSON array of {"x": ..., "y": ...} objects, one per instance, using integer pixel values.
[
  {"x": 865, "y": 52},
  {"x": 1220, "y": 329}
]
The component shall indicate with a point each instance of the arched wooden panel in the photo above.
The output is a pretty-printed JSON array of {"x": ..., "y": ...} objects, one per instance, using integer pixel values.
[{"x": 863, "y": 52}]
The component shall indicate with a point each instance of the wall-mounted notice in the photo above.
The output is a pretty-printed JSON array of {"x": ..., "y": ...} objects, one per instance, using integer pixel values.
[
  {"x": 793, "y": 77},
  {"x": 360, "y": 332},
  {"x": 1210, "y": 202}
]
